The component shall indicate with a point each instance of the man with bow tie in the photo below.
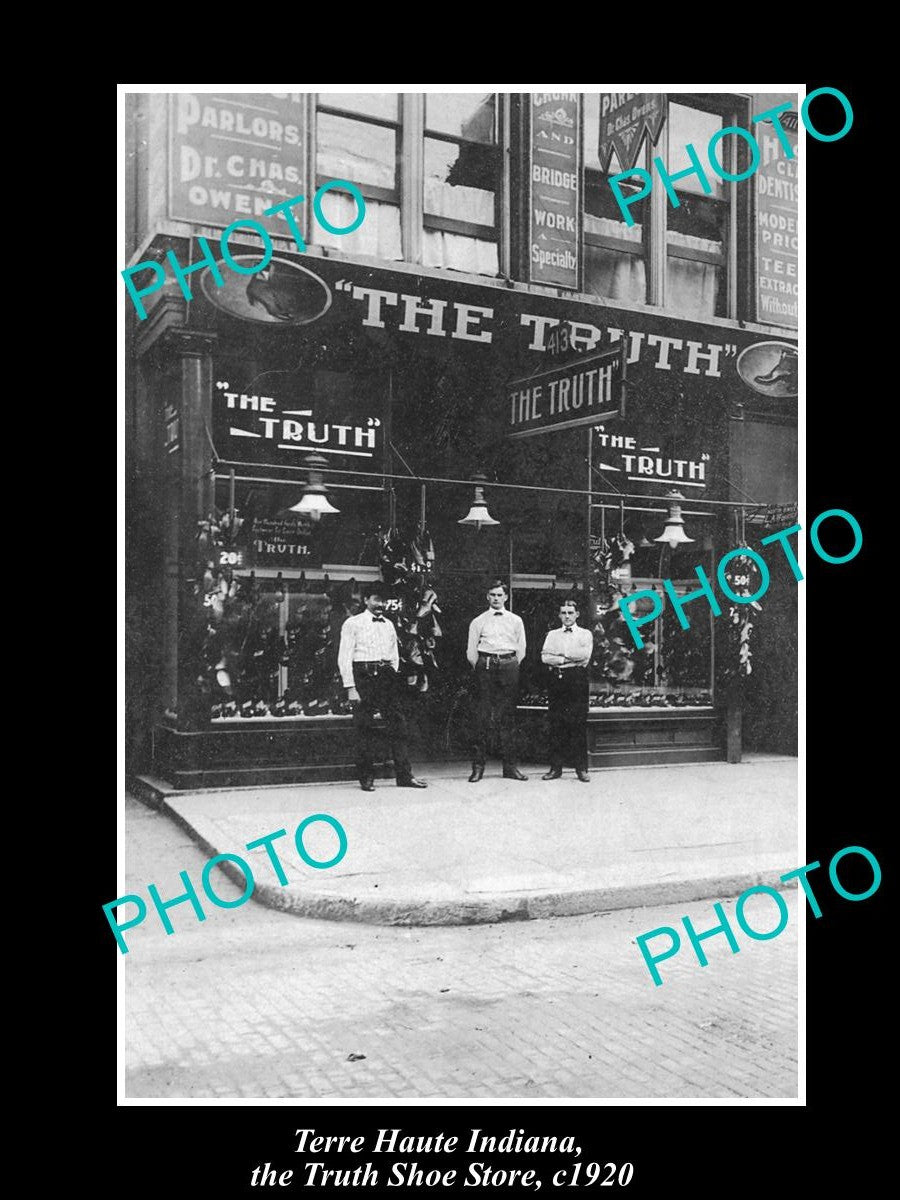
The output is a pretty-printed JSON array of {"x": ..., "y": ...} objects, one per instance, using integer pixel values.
[
  {"x": 567, "y": 653},
  {"x": 368, "y": 660},
  {"x": 495, "y": 650}
]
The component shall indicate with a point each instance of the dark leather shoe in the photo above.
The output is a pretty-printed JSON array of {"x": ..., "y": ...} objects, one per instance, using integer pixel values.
[
  {"x": 513, "y": 773},
  {"x": 367, "y": 785},
  {"x": 411, "y": 782},
  {"x": 477, "y": 773},
  {"x": 553, "y": 773},
  {"x": 583, "y": 776}
]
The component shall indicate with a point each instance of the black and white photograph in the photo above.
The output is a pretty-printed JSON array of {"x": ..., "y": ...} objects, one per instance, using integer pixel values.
[{"x": 465, "y": 540}]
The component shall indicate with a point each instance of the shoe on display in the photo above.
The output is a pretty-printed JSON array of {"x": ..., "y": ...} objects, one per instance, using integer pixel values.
[
  {"x": 553, "y": 773},
  {"x": 477, "y": 773}
]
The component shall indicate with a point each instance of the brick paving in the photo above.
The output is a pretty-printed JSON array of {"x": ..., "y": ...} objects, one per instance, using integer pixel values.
[{"x": 259, "y": 1003}]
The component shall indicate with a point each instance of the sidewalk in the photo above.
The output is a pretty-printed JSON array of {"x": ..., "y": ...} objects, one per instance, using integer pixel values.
[{"x": 500, "y": 850}]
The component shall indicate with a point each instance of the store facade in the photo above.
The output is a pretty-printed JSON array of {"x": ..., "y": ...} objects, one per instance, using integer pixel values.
[{"x": 580, "y": 417}]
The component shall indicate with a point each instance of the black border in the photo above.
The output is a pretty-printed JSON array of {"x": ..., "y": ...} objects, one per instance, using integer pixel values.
[{"x": 849, "y": 647}]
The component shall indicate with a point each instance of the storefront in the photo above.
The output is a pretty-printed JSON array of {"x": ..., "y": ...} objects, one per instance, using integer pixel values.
[{"x": 581, "y": 417}]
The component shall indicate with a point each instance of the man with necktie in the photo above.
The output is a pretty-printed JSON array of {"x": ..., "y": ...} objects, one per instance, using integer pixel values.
[
  {"x": 495, "y": 650},
  {"x": 567, "y": 653},
  {"x": 368, "y": 660}
]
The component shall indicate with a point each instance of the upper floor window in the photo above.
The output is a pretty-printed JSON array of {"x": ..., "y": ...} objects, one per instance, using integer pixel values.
[
  {"x": 358, "y": 139},
  {"x": 462, "y": 179},
  {"x": 699, "y": 231},
  {"x": 615, "y": 262}
]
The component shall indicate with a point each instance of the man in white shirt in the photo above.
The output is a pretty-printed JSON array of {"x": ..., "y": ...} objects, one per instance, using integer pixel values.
[
  {"x": 567, "y": 653},
  {"x": 368, "y": 659},
  {"x": 496, "y": 647}
]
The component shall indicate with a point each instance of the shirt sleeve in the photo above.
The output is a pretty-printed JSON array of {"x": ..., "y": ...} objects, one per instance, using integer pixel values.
[
  {"x": 587, "y": 647},
  {"x": 472, "y": 648},
  {"x": 345, "y": 652},
  {"x": 395, "y": 648},
  {"x": 520, "y": 651},
  {"x": 546, "y": 652}
]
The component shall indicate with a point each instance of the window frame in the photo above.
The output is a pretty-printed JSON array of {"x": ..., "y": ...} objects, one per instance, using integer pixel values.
[
  {"x": 439, "y": 224},
  {"x": 733, "y": 108},
  {"x": 654, "y": 247},
  {"x": 370, "y": 191}
]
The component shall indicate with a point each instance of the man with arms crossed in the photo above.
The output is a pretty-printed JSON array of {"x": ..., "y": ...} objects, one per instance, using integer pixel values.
[{"x": 567, "y": 653}]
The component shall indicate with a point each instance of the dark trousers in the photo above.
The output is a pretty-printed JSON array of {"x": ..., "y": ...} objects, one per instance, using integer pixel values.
[
  {"x": 568, "y": 696},
  {"x": 379, "y": 693},
  {"x": 498, "y": 691}
]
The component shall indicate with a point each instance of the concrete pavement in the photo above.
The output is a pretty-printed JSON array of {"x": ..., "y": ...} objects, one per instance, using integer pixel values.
[
  {"x": 252, "y": 1003},
  {"x": 502, "y": 850}
]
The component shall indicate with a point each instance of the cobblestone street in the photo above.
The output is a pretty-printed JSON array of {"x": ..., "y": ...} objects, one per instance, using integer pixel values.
[{"x": 258, "y": 1003}]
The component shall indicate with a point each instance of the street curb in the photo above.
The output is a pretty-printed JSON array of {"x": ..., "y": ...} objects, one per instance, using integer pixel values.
[
  {"x": 535, "y": 906},
  {"x": 301, "y": 901}
]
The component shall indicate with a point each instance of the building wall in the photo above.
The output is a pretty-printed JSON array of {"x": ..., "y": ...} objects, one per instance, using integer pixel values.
[{"x": 426, "y": 234}]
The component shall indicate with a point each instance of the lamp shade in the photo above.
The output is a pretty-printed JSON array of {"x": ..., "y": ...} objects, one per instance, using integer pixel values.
[
  {"x": 313, "y": 504},
  {"x": 478, "y": 514},
  {"x": 314, "y": 500},
  {"x": 674, "y": 531}
]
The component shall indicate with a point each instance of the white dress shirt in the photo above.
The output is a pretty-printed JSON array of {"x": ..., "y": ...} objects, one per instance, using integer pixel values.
[
  {"x": 496, "y": 632},
  {"x": 366, "y": 639},
  {"x": 575, "y": 642}
]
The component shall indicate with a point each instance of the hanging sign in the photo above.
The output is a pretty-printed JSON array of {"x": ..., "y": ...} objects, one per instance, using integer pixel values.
[
  {"x": 585, "y": 391},
  {"x": 626, "y": 119},
  {"x": 647, "y": 459},
  {"x": 280, "y": 417}
]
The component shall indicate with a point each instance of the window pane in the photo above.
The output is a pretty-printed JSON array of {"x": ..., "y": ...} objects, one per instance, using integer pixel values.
[
  {"x": 457, "y": 253},
  {"x": 379, "y": 234},
  {"x": 697, "y": 127},
  {"x": 601, "y": 210},
  {"x": 460, "y": 181},
  {"x": 355, "y": 151},
  {"x": 695, "y": 289},
  {"x": 615, "y": 276},
  {"x": 699, "y": 222},
  {"x": 469, "y": 115},
  {"x": 370, "y": 104}
]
